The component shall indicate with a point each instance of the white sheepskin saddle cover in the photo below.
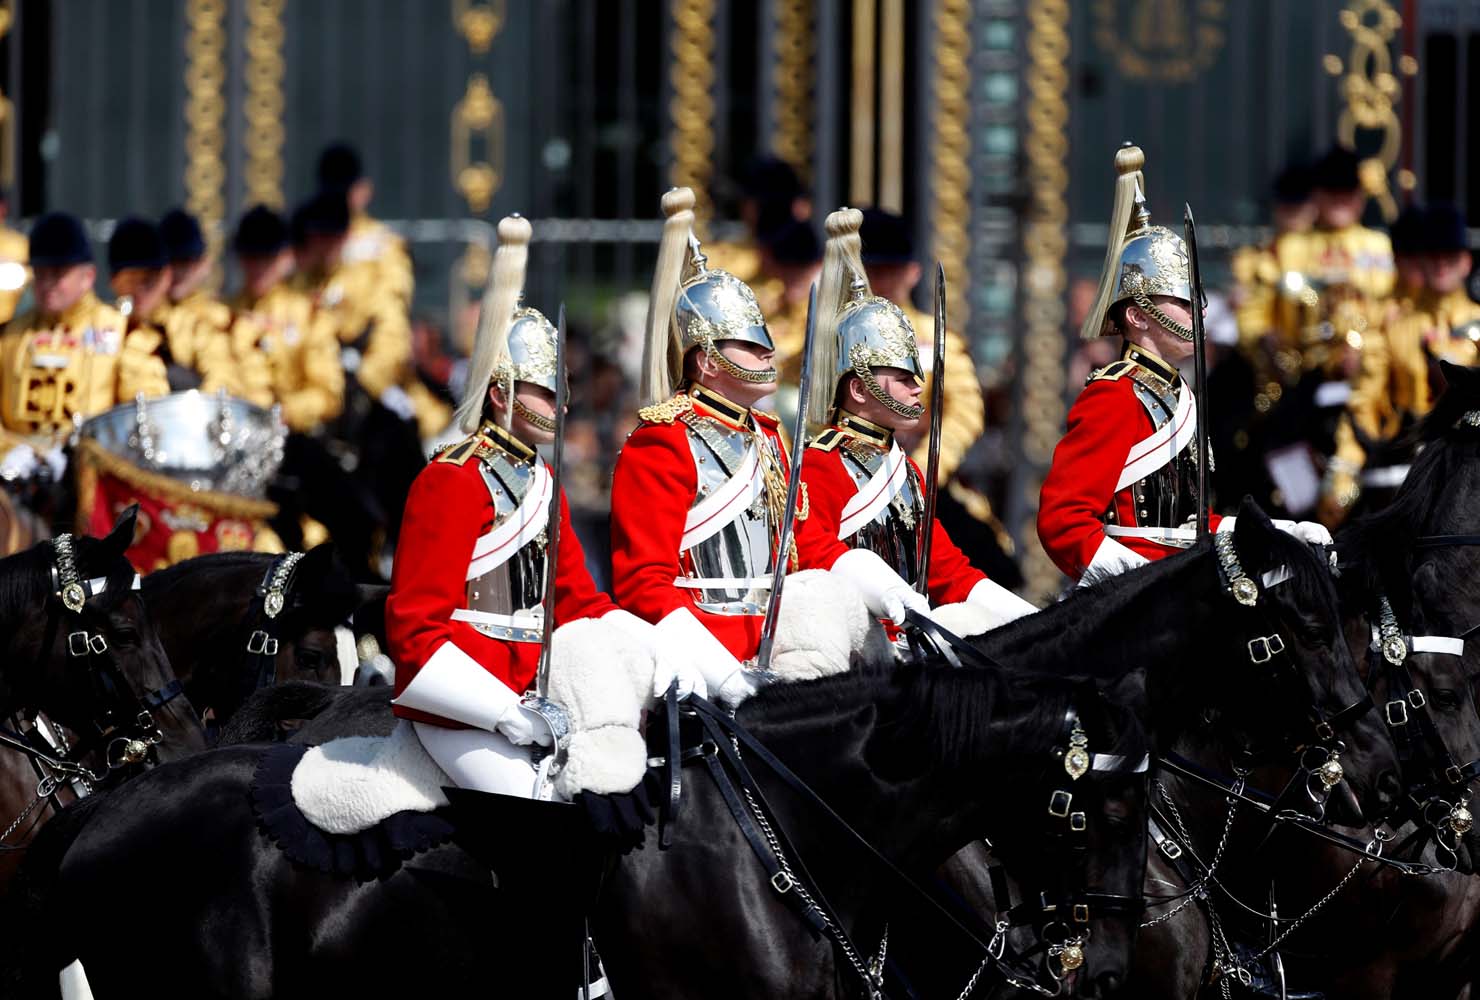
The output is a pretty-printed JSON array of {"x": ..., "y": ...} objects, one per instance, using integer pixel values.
[
  {"x": 822, "y": 624},
  {"x": 349, "y": 785}
]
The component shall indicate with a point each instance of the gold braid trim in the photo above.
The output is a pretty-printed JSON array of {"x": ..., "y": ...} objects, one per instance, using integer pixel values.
[
  {"x": 776, "y": 495},
  {"x": 95, "y": 457},
  {"x": 667, "y": 411}
]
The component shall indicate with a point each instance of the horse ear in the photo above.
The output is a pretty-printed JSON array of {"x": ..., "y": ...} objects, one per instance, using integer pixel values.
[
  {"x": 1460, "y": 378},
  {"x": 317, "y": 562},
  {"x": 1253, "y": 532},
  {"x": 117, "y": 541}
]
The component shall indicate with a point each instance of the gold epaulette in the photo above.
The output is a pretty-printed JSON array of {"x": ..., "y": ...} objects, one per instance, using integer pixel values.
[
  {"x": 1111, "y": 372},
  {"x": 459, "y": 452},
  {"x": 828, "y": 440},
  {"x": 667, "y": 411}
]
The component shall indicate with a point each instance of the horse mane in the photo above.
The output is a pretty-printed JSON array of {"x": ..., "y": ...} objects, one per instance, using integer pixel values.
[
  {"x": 959, "y": 716},
  {"x": 25, "y": 577},
  {"x": 332, "y": 597}
]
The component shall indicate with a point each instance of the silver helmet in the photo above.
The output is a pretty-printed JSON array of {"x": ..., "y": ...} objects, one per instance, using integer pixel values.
[{"x": 692, "y": 306}]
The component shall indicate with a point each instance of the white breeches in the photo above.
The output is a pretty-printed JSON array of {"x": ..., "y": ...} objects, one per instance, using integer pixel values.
[{"x": 483, "y": 761}]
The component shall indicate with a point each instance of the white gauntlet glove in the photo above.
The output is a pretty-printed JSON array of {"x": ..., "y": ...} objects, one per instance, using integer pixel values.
[
  {"x": 716, "y": 665},
  {"x": 524, "y": 727},
  {"x": 884, "y": 591},
  {"x": 671, "y": 661},
  {"x": 19, "y": 463},
  {"x": 1001, "y": 604}
]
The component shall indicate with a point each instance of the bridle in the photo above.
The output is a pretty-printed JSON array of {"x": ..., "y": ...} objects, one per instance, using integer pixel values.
[
  {"x": 124, "y": 728},
  {"x": 261, "y": 622},
  {"x": 723, "y": 752},
  {"x": 1268, "y": 649},
  {"x": 1070, "y": 906}
]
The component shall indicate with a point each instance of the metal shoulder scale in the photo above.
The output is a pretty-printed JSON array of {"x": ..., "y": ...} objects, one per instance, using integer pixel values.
[
  {"x": 1199, "y": 368},
  {"x": 937, "y": 416},
  {"x": 793, "y": 482}
]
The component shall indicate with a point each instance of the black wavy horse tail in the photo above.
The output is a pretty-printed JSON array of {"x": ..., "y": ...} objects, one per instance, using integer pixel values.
[{"x": 28, "y": 938}]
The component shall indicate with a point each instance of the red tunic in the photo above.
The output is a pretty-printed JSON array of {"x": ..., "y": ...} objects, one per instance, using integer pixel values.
[
  {"x": 653, "y": 486},
  {"x": 446, "y": 512},
  {"x": 829, "y": 488},
  {"x": 1105, "y": 423}
]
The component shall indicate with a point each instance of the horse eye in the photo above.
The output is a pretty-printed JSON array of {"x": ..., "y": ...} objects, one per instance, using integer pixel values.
[
  {"x": 1446, "y": 698},
  {"x": 125, "y": 636}
]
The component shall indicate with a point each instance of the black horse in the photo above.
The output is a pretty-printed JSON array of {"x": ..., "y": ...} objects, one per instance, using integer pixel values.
[
  {"x": 210, "y": 616},
  {"x": 1171, "y": 641},
  {"x": 87, "y": 695},
  {"x": 920, "y": 762},
  {"x": 1412, "y": 930}
]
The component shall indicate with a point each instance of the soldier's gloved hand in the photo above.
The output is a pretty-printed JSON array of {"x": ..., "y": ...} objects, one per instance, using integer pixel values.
[
  {"x": 672, "y": 660},
  {"x": 739, "y": 686},
  {"x": 524, "y": 727},
  {"x": 884, "y": 591},
  {"x": 19, "y": 462},
  {"x": 394, "y": 398}
]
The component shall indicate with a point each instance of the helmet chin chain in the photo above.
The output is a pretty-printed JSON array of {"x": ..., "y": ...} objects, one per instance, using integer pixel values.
[
  {"x": 866, "y": 376},
  {"x": 1155, "y": 312},
  {"x": 755, "y": 376},
  {"x": 537, "y": 421}
]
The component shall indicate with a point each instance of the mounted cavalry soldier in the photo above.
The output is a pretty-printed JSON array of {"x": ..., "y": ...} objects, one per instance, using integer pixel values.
[
  {"x": 867, "y": 497},
  {"x": 71, "y": 356},
  {"x": 466, "y": 617},
  {"x": 699, "y": 491},
  {"x": 1122, "y": 488}
]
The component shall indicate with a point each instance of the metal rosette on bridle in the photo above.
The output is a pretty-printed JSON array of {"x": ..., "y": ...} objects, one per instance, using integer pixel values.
[
  {"x": 1141, "y": 260},
  {"x": 514, "y": 343},
  {"x": 857, "y": 331},
  {"x": 694, "y": 306}
]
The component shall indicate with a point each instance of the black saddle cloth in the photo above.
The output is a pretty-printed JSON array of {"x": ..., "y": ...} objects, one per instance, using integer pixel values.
[{"x": 371, "y": 854}]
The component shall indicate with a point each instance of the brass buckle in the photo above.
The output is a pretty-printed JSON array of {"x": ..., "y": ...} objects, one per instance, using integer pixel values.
[
  {"x": 1077, "y": 822},
  {"x": 1264, "y": 648},
  {"x": 1170, "y": 849},
  {"x": 1081, "y": 913},
  {"x": 1416, "y": 698},
  {"x": 1397, "y": 712},
  {"x": 78, "y": 644},
  {"x": 782, "y": 883},
  {"x": 1454, "y": 774},
  {"x": 1059, "y": 802}
]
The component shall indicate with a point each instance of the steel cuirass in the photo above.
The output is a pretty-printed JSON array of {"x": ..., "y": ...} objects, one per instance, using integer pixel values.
[
  {"x": 893, "y": 533},
  {"x": 729, "y": 570},
  {"x": 506, "y": 599},
  {"x": 1167, "y": 497}
]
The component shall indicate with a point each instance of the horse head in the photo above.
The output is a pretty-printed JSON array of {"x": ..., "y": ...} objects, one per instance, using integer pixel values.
[
  {"x": 81, "y": 648},
  {"x": 238, "y": 621},
  {"x": 1408, "y": 571},
  {"x": 1297, "y": 692}
]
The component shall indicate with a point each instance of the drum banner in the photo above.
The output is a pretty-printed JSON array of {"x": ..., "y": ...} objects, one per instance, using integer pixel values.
[{"x": 175, "y": 522}]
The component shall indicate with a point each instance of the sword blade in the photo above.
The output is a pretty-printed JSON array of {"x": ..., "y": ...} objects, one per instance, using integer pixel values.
[
  {"x": 1199, "y": 368},
  {"x": 552, "y": 526},
  {"x": 937, "y": 414},
  {"x": 793, "y": 485}
]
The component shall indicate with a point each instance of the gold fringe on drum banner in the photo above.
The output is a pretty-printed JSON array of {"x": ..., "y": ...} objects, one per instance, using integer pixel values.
[{"x": 175, "y": 521}]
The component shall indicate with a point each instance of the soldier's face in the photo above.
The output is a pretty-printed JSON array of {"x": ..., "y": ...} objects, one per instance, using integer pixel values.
[
  {"x": 743, "y": 353},
  {"x": 261, "y": 273},
  {"x": 535, "y": 398},
  {"x": 1339, "y": 209},
  {"x": 1446, "y": 272},
  {"x": 59, "y": 288}
]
